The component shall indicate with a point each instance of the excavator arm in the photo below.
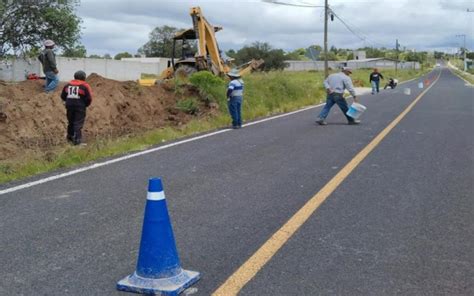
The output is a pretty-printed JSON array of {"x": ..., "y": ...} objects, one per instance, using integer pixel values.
[{"x": 208, "y": 56}]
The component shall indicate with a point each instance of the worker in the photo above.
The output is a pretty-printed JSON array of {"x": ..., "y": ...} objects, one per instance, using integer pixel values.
[
  {"x": 77, "y": 96},
  {"x": 335, "y": 84},
  {"x": 392, "y": 83},
  {"x": 48, "y": 60},
  {"x": 235, "y": 91},
  {"x": 374, "y": 80}
]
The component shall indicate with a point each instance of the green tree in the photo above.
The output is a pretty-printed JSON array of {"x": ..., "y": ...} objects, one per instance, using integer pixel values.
[
  {"x": 78, "y": 51},
  {"x": 24, "y": 25},
  {"x": 297, "y": 55},
  {"x": 160, "y": 43},
  {"x": 121, "y": 55},
  {"x": 371, "y": 52},
  {"x": 95, "y": 56},
  {"x": 331, "y": 56},
  {"x": 420, "y": 57},
  {"x": 107, "y": 56},
  {"x": 231, "y": 53},
  {"x": 274, "y": 58},
  {"x": 438, "y": 54}
]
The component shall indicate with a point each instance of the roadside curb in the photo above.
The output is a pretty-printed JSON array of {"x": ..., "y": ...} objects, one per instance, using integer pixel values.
[{"x": 452, "y": 67}]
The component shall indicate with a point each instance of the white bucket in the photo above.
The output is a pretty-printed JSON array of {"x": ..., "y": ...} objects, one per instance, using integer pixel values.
[
  {"x": 420, "y": 85},
  {"x": 355, "y": 110},
  {"x": 407, "y": 91}
]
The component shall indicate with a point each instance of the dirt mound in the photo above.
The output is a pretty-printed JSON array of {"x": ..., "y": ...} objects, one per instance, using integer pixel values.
[{"x": 32, "y": 120}]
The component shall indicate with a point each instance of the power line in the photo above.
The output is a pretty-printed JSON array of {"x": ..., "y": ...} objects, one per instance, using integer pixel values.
[
  {"x": 361, "y": 36},
  {"x": 350, "y": 28}
]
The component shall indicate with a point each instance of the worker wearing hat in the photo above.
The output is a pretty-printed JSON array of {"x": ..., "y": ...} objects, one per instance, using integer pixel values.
[
  {"x": 48, "y": 60},
  {"x": 235, "y": 91},
  {"x": 335, "y": 85},
  {"x": 77, "y": 96}
]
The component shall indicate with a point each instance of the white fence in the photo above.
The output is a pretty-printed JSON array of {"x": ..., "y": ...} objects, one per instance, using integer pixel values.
[
  {"x": 319, "y": 65},
  {"x": 15, "y": 70}
]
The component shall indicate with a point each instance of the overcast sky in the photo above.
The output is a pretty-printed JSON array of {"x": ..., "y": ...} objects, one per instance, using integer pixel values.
[{"x": 112, "y": 26}]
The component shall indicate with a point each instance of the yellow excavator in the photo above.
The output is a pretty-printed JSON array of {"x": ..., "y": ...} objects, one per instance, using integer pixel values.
[{"x": 207, "y": 56}]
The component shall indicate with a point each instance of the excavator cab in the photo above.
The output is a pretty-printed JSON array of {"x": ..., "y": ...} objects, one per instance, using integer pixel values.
[{"x": 196, "y": 49}]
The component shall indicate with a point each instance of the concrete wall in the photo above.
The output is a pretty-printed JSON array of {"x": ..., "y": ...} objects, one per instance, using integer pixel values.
[
  {"x": 319, "y": 65},
  {"x": 382, "y": 64},
  {"x": 118, "y": 70},
  {"x": 310, "y": 65}
]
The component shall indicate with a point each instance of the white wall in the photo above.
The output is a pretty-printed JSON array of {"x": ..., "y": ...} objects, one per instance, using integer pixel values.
[
  {"x": 319, "y": 65},
  {"x": 310, "y": 65},
  {"x": 112, "y": 69}
]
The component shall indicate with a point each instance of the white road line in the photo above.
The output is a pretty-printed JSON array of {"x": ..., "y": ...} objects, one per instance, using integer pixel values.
[{"x": 101, "y": 164}]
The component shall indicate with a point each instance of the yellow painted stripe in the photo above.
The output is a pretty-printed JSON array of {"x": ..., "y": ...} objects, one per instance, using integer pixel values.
[{"x": 255, "y": 263}]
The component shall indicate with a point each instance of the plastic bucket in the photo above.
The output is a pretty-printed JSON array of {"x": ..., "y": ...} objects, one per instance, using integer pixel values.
[
  {"x": 407, "y": 91},
  {"x": 420, "y": 85},
  {"x": 355, "y": 110}
]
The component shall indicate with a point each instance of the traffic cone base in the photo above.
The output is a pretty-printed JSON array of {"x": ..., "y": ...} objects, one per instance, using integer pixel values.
[{"x": 163, "y": 286}]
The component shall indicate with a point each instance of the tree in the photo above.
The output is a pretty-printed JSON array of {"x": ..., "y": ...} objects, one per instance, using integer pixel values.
[
  {"x": 121, "y": 55},
  {"x": 24, "y": 25},
  {"x": 371, "y": 52},
  {"x": 231, "y": 53},
  {"x": 438, "y": 54},
  {"x": 95, "y": 56},
  {"x": 107, "y": 56},
  {"x": 331, "y": 56},
  {"x": 160, "y": 43},
  {"x": 274, "y": 58},
  {"x": 420, "y": 57},
  {"x": 78, "y": 51},
  {"x": 297, "y": 55}
]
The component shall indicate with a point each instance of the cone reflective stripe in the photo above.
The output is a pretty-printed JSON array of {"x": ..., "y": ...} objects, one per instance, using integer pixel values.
[{"x": 158, "y": 268}]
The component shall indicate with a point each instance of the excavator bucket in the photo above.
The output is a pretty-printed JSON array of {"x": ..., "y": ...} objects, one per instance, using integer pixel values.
[{"x": 253, "y": 65}]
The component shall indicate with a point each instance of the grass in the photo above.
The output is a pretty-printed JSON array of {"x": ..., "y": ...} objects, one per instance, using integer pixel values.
[
  {"x": 265, "y": 94},
  {"x": 460, "y": 65}
]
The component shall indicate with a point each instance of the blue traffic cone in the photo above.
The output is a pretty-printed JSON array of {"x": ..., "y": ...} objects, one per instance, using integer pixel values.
[{"x": 158, "y": 268}]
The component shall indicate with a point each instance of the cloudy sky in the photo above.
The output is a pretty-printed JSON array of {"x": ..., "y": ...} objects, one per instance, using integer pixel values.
[{"x": 112, "y": 26}]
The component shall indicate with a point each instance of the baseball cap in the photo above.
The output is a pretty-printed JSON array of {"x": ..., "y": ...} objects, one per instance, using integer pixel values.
[{"x": 347, "y": 69}]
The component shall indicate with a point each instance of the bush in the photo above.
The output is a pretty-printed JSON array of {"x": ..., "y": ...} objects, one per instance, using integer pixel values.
[
  {"x": 210, "y": 86},
  {"x": 188, "y": 105}
]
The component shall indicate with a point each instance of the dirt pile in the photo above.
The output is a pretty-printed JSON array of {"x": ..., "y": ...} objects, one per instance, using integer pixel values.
[{"x": 32, "y": 121}]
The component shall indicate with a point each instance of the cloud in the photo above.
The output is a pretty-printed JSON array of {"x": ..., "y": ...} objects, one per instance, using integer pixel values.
[{"x": 123, "y": 25}]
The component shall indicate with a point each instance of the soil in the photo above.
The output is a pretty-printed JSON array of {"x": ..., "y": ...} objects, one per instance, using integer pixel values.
[{"x": 32, "y": 121}]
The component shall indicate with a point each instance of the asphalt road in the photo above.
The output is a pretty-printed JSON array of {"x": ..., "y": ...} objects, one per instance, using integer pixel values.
[{"x": 402, "y": 223}]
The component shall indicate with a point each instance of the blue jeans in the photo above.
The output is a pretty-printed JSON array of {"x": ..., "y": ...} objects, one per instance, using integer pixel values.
[
  {"x": 375, "y": 86},
  {"x": 335, "y": 98},
  {"x": 51, "y": 81},
  {"x": 235, "y": 106}
]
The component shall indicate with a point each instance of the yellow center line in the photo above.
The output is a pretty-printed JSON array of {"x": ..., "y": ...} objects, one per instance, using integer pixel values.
[{"x": 257, "y": 261}]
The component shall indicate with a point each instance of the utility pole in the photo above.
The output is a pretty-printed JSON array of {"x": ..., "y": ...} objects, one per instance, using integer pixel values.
[
  {"x": 396, "y": 61},
  {"x": 464, "y": 50},
  {"x": 326, "y": 11}
]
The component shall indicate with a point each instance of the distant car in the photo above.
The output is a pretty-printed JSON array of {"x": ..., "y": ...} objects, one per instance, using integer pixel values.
[{"x": 438, "y": 65}]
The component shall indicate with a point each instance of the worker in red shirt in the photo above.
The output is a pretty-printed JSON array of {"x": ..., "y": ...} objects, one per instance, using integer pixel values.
[{"x": 77, "y": 96}]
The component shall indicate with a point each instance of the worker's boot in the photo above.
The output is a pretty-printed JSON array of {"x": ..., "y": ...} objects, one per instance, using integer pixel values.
[
  {"x": 353, "y": 122},
  {"x": 321, "y": 121}
]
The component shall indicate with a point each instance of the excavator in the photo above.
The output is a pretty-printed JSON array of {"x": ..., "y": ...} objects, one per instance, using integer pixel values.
[{"x": 207, "y": 56}]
